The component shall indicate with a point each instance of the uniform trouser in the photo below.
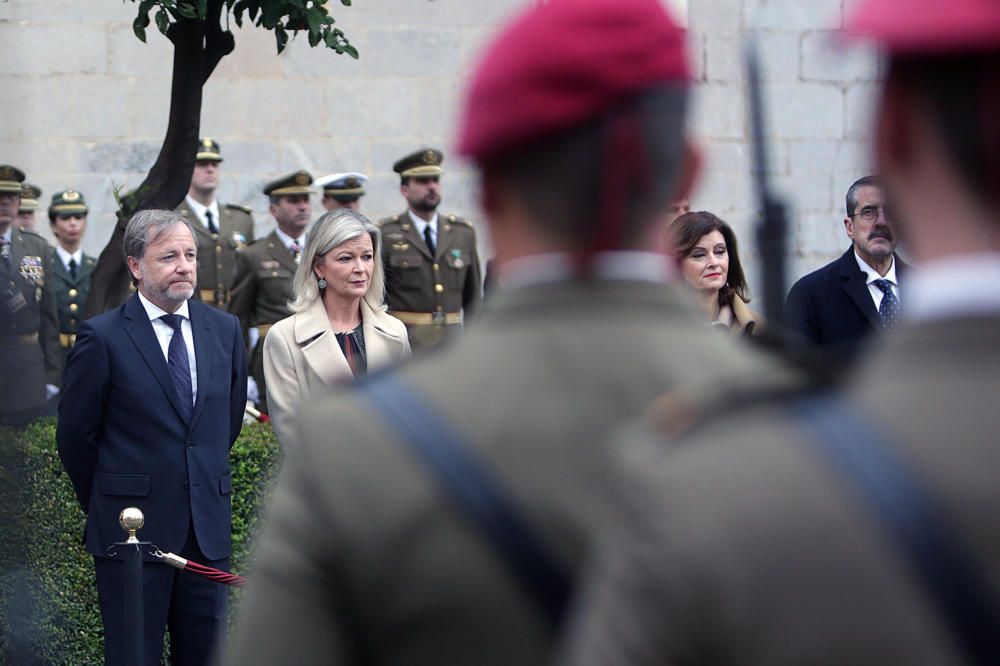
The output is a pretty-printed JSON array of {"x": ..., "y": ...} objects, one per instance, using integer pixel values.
[
  {"x": 192, "y": 607},
  {"x": 428, "y": 336}
]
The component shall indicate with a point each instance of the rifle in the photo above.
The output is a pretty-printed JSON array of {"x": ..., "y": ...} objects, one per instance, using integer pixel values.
[{"x": 772, "y": 216}]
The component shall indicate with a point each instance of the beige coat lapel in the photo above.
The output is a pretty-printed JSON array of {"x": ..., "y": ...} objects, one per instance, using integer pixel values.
[
  {"x": 382, "y": 346},
  {"x": 319, "y": 345}
]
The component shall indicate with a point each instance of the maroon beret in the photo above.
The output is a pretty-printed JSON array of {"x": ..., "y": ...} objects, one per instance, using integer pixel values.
[
  {"x": 563, "y": 63},
  {"x": 926, "y": 26}
]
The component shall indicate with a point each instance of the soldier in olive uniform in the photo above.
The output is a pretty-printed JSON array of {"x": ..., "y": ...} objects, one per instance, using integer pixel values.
[
  {"x": 368, "y": 557},
  {"x": 29, "y": 329},
  {"x": 263, "y": 284},
  {"x": 71, "y": 268},
  {"x": 222, "y": 229},
  {"x": 342, "y": 190},
  {"x": 29, "y": 204},
  {"x": 857, "y": 526},
  {"x": 432, "y": 272}
]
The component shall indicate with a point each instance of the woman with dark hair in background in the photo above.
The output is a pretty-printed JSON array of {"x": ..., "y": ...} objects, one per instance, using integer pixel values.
[{"x": 706, "y": 252}]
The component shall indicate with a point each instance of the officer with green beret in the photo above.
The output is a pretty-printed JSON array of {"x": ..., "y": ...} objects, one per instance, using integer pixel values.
[
  {"x": 71, "y": 268},
  {"x": 432, "y": 272},
  {"x": 29, "y": 204},
  {"x": 29, "y": 329},
  {"x": 342, "y": 190},
  {"x": 263, "y": 285},
  {"x": 221, "y": 229}
]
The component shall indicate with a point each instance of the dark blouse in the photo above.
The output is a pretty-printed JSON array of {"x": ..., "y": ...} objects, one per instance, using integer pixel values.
[{"x": 352, "y": 344}]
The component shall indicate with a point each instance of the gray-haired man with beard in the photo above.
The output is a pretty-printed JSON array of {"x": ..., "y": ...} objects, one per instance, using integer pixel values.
[{"x": 843, "y": 302}]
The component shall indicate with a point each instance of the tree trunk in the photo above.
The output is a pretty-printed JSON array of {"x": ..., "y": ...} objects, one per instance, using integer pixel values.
[{"x": 197, "y": 50}]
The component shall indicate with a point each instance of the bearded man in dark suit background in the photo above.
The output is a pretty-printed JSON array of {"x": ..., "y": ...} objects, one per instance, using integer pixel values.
[{"x": 154, "y": 397}]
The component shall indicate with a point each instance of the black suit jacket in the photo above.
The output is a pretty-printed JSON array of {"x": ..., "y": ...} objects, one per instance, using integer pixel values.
[
  {"x": 123, "y": 441},
  {"x": 832, "y": 307}
]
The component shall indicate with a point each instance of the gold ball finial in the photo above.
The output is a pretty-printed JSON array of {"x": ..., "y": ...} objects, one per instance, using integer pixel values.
[{"x": 131, "y": 520}]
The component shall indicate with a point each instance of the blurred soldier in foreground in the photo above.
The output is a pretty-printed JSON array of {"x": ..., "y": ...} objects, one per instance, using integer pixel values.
[
  {"x": 29, "y": 204},
  {"x": 343, "y": 190},
  {"x": 263, "y": 286},
  {"x": 368, "y": 556},
  {"x": 432, "y": 272},
  {"x": 71, "y": 268},
  {"x": 30, "y": 363},
  {"x": 222, "y": 229},
  {"x": 858, "y": 527}
]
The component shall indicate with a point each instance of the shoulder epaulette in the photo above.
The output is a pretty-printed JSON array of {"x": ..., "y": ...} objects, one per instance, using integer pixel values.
[
  {"x": 34, "y": 236},
  {"x": 454, "y": 219},
  {"x": 245, "y": 209},
  {"x": 388, "y": 220}
]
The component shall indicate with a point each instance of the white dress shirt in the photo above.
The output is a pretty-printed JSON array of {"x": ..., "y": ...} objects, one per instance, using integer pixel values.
[
  {"x": 164, "y": 332},
  {"x": 954, "y": 287},
  {"x": 199, "y": 211},
  {"x": 873, "y": 275},
  {"x": 65, "y": 256},
  {"x": 287, "y": 240},
  {"x": 421, "y": 224}
]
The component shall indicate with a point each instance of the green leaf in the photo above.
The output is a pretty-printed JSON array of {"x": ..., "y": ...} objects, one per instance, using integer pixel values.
[
  {"x": 351, "y": 51},
  {"x": 281, "y": 37},
  {"x": 202, "y": 8},
  {"x": 139, "y": 29},
  {"x": 187, "y": 11},
  {"x": 346, "y": 3},
  {"x": 314, "y": 17},
  {"x": 162, "y": 21},
  {"x": 314, "y": 38}
]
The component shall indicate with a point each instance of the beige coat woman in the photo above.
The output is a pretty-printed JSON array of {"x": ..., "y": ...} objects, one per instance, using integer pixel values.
[{"x": 302, "y": 358}]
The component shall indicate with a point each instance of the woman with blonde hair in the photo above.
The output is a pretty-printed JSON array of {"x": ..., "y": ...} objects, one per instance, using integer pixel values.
[{"x": 340, "y": 328}]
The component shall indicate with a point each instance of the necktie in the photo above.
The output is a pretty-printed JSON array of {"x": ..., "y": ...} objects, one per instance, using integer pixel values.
[
  {"x": 179, "y": 365},
  {"x": 888, "y": 310},
  {"x": 429, "y": 239},
  {"x": 296, "y": 251},
  {"x": 211, "y": 223},
  {"x": 72, "y": 268}
]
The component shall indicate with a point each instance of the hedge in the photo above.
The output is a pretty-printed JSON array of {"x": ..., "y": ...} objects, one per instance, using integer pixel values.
[{"x": 48, "y": 598}]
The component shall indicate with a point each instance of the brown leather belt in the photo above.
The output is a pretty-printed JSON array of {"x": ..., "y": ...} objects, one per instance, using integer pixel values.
[
  {"x": 427, "y": 318},
  {"x": 67, "y": 340},
  {"x": 211, "y": 295}
]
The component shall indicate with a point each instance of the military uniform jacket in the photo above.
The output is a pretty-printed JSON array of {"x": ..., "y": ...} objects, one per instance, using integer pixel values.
[
  {"x": 71, "y": 293},
  {"x": 217, "y": 262},
  {"x": 263, "y": 285},
  {"x": 28, "y": 308},
  {"x": 364, "y": 561},
  {"x": 744, "y": 545},
  {"x": 416, "y": 281}
]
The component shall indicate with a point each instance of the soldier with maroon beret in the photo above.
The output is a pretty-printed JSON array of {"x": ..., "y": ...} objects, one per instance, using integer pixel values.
[
  {"x": 857, "y": 526},
  {"x": 368, "y": 558}
]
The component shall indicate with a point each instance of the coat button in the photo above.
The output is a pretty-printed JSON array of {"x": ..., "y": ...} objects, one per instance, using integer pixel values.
[
  {"x": 439, "y": 288},
  {"x": 437, "y": 267},
  {"x": 72, "y": 293},
  {"x": 73, "y": 307}
]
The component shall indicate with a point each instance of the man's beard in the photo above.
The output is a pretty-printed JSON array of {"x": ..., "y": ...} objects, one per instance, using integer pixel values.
[
  {"x": 165, "y": 293},
  {"x": 425, "y": 206}
]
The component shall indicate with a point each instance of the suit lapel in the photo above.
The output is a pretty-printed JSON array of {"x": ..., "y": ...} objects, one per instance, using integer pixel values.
[
  {"x": 201, "y": 330},
  {"x": 140, "y": 330},
  {"x": 412, "y": 235},
  {"x": 59, "y": 270},
  {"x": 281, "y": 254},
  {"x": 85, "y": 269},
  {"x": 381, "y": 348},
  {"x": 443, "y": 238},
  {"x": 855, "y": 284}
]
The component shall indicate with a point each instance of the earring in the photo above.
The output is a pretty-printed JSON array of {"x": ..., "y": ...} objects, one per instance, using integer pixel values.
[{"x": 322, "y": 283}]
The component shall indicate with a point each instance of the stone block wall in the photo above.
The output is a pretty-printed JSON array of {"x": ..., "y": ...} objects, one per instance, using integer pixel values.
[{"x": 84, "y": 105}]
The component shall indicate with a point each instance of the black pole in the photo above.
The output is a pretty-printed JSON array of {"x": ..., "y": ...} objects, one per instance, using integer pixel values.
[
  {"x": 134, "y": 624},
  {"x": 772, "y": 226}
]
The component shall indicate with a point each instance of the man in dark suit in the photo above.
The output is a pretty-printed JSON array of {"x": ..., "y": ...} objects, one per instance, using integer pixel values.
[
  {"x": 153, "y": 398},
  {"x": 838, "y": 305}
]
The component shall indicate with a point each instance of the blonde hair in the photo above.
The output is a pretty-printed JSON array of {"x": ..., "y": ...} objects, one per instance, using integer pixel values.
[{"x": 331, "y": 230}]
